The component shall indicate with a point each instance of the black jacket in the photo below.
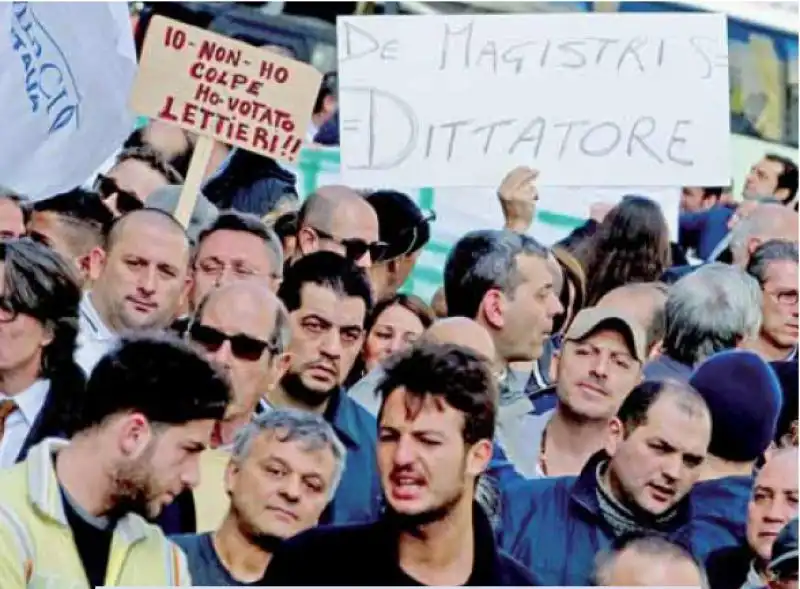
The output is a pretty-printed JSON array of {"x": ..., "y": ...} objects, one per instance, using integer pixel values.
[
  {"x": 366, "y": 556},
  {"x": 727, "y": 568}
]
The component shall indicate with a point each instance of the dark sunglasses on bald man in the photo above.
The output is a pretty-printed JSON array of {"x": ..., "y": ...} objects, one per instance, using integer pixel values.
[
  {"x": 243, "y": 346},
  {"x": 356, "y": 248}
]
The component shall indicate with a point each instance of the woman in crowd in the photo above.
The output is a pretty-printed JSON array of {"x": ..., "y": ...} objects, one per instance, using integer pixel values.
[
  {"x": 394, "y": 324},
  {"x": 630, "y": 245}
]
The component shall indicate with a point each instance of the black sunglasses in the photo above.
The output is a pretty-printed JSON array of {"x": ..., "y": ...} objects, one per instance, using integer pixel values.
[
  {"x": 356, "y": 248},
  {"x": 126, "y": 201},
  {"x": 243, "y": 346}
]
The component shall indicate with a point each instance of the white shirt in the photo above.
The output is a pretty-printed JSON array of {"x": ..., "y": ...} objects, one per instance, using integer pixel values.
[
  {"x": 19, "y": 423},
  {"x": 94, "y": 337}
]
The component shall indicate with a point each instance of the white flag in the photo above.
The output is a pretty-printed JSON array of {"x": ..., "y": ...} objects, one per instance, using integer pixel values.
[{"x": 67, "y": 71}]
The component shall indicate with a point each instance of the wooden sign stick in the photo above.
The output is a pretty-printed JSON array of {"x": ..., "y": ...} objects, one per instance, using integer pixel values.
[{"x": 194, "y": 178}]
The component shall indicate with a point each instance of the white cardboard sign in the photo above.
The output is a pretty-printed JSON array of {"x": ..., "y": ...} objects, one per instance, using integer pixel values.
[{"x": 592, "y": 100}]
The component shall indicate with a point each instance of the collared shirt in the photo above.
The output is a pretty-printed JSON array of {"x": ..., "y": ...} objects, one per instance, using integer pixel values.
[
  {"x": 19, "y": 423},
  {"x": 753, "y": 580},
  {"x": 95, "y": 338},
  {"x": 359, "y": 498}
]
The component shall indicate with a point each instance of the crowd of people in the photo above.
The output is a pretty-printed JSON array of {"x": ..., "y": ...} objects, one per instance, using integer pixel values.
[{"x": 252, "y": 399}]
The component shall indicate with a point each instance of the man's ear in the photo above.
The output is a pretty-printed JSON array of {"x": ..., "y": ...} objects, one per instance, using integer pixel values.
[
  {"x": 616, "y": 434},
  {"x": 493, "y": 308},
  {"x": 307, "y": 241},
  {"x": 91, "y": 265},
  {"x": 478, "y": 457}
]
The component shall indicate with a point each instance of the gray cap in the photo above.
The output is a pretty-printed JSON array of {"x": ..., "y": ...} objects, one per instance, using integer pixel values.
[{"x": 166, "y": 199}]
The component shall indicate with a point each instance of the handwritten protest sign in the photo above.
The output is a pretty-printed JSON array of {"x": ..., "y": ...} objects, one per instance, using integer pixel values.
[
  {"x": 67, "y": 72},
  {"x": 225, "y": 89},
  {"x": 595, "y": 100}
]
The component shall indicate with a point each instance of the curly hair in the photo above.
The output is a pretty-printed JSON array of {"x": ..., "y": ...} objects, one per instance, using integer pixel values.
[{"x": 630, "y": 245}]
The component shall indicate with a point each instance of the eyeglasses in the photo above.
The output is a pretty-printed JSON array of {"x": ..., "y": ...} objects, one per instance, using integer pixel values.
[
  {"x": 356, "y": 248},
  {"x": 243, "y": 346},
  {"x": 784, "y": 297},
  {"x": 126, "y": 201}
]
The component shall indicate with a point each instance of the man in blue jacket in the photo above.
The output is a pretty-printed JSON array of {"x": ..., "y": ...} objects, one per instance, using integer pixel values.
[
  {"x": 744, "y": 397},
  {"x": 639, "y": 483}
]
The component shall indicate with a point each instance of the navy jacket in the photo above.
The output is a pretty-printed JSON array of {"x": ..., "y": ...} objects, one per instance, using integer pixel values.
[
  {"x": 727, "y": 568},
  {"x": 250, "y": 183},
  {"x": 366, "y": 556},
  {"x": 359, "y": 498},
  {"x": 554, "y": 526},
  {"x": 719, "y": 514},
  {"x": 703, "y": 230}
]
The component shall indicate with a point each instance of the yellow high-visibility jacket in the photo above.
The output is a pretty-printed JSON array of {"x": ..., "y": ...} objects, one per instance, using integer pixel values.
[{"x": 37, "y": 550}]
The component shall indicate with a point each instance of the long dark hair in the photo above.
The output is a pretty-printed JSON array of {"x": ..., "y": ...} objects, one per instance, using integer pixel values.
[
  {"x": 40, "y": 284},
  {"x": 630, "y": 245}
]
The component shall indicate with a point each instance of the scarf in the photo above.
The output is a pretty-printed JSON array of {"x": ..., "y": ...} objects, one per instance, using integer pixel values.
[{"x": 623, "y": 520}]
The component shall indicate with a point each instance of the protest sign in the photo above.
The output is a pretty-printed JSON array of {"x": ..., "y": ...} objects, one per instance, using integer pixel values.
[
  {"x": 222, "y": 88},
  {"x": 225, "y": 90},
  {"x": 592, "y": 100},
  {"x": 66, "y": 76}
]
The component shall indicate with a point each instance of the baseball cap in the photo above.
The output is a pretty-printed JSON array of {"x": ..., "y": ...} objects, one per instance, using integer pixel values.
[
  {"x": 166, "y": 199},
  {"x": 784, "y": 551},
  {"x": 402, "y": 225},
  {"x": 592, "y": 319}
]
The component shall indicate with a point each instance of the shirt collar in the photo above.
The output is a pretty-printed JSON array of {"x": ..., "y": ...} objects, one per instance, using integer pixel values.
[
  {"x": 92, "y": 319},
  {"x": 31, "y": 400}
]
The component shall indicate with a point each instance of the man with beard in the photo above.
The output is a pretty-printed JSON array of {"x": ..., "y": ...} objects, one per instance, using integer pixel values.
[
  {"x": 436, "y": 425},
  {"x": 72, "y": 514},
  {"x": 285, "y": 468},
  {"x": 328, "y": 298}
]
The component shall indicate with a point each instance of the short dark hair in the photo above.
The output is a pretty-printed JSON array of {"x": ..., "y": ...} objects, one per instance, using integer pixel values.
[
  {"x": 788, "y": 177},
  {"x": 179, "y": 162},
  {"x": 635, "y": 408},
  {"x": 152, "y": 158},
  {"x": 158, "y": 376},
  {"x": 451, "y": 374},
  {"x": 483, "y": 260},
  {"x": 773, "y": 250},
  {"x": 81, "y": 208},
  {"x": 232, "y": 220},
  {"x": 328, "y": 270}
]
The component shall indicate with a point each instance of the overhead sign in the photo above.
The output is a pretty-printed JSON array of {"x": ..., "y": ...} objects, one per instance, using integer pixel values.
[
  {"x": 225, "y": 89},
  {"x": 587, "y": 99},
  {"x": 67, "y": 72}
]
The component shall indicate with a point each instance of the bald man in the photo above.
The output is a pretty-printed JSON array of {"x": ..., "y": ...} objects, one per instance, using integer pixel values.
[
  {"x": 646, "y": 302},
  {"x": 453, "y": 330},
  {"x": 649, "y": 561},
  {"x": 143, "y": 282},
  {"x": 767, "y": 221},
  {"x": 338, "y": 219},
  {"x": 244, "y": 329}
]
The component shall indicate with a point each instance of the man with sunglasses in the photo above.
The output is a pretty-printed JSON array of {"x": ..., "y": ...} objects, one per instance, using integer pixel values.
[
  {"x": 328, "y": 297},
  {"x": 143, "y": 282},
  {"x": 243, "y": 328},
  {"x": 339, "y": 220},
  {"x": 137, "y": 173},
  {"x": 405, "y": 229}
]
